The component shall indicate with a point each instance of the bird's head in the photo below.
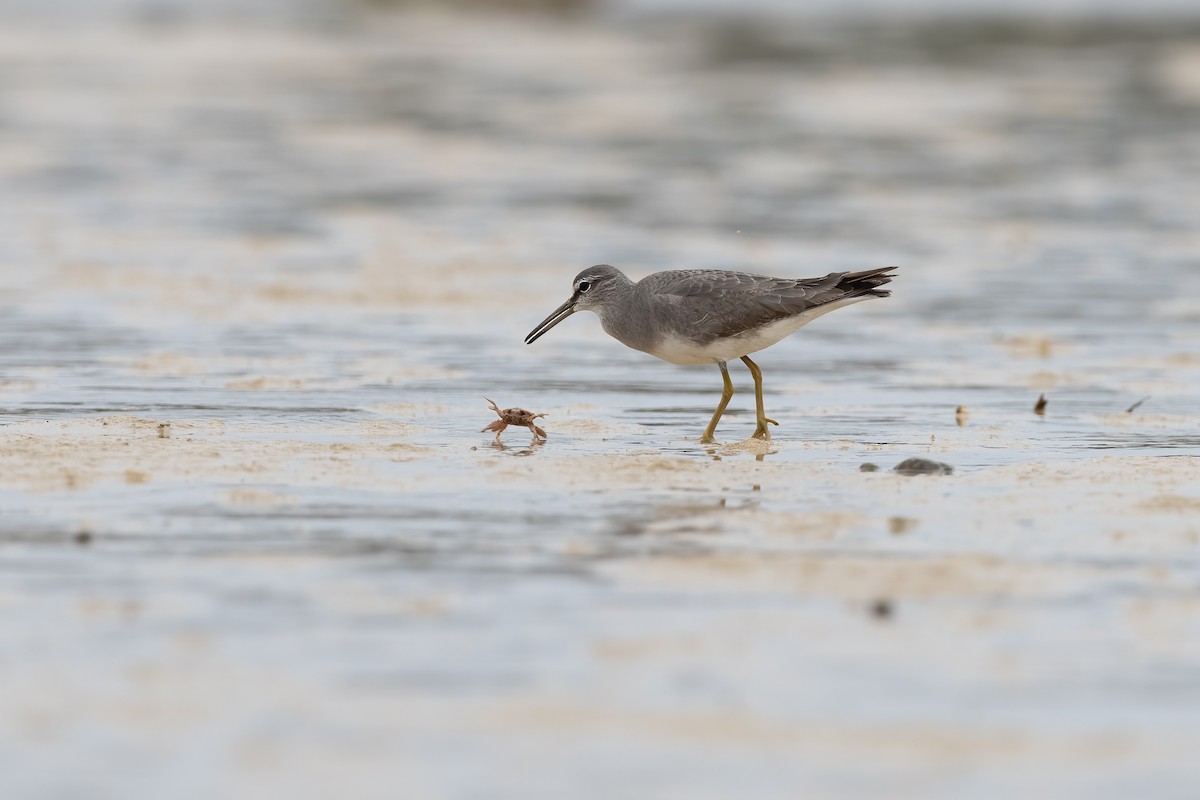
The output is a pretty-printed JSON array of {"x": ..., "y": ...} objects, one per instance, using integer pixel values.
[{"x": 590, "y": 291}]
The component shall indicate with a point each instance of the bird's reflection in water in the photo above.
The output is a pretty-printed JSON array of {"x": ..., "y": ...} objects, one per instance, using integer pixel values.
[{"x": 750, "y": 446}]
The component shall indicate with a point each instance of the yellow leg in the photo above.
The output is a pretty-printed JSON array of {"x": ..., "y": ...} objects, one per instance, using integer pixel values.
[
  {"x": 760, "y": 429},
  {"x": 726, "y": 393}
]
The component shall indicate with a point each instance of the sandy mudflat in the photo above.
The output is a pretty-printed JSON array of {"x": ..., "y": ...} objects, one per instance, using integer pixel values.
[{"x": 256, "y": 280}]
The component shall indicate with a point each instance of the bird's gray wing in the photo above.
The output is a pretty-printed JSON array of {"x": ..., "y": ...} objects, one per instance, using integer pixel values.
[{"x": 710, "y": 304}]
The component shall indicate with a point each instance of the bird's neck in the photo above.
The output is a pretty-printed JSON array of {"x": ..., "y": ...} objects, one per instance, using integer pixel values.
[{"x": 626, "y": 318}]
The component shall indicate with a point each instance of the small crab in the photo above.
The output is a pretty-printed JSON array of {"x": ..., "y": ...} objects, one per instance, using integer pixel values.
[{"x": 513, "y": 416}]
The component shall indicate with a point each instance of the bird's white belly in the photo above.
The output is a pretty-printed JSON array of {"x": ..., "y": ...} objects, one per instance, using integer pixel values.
[{"x": 679, "y": 350}]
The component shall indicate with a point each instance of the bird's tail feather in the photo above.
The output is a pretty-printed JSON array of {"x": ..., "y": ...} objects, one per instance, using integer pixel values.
[{"x": 867, "y": 282}]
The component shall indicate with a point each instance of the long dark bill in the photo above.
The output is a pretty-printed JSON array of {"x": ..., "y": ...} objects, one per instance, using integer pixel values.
[{"x": 560, "y": 313}]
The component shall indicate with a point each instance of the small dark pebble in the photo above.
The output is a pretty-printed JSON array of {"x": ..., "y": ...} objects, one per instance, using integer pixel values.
[
  {"x": 83, "y": 538},
  {"x": 922, "y": 466},
  {"x": 882, "y": 609},
  {"x": 868, "y": 467}
]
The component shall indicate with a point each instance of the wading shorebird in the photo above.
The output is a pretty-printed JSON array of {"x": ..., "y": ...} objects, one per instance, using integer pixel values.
[{"x": 707, "y": 316}]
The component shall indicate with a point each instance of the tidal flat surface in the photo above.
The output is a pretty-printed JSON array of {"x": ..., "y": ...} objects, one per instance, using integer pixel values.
[{"x": 256, "y": 279}]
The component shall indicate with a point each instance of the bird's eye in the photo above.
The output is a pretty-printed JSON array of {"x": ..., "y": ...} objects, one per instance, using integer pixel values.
[{"x": 585, "y": 285}]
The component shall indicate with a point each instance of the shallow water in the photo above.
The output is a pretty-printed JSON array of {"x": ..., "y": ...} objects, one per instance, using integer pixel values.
[{"x": 256, "y": 282}]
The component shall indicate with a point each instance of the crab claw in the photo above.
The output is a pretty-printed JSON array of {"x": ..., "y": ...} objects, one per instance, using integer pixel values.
[{"x": 494, "y": 407}]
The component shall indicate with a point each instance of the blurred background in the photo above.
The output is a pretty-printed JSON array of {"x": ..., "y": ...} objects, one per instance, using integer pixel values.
[
  {"x": 795, "y": 137},
  {"x": 260, "y": 259}
]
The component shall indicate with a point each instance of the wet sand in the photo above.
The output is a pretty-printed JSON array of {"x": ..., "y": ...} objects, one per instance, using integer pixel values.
[{"x": 254, "y": 541}]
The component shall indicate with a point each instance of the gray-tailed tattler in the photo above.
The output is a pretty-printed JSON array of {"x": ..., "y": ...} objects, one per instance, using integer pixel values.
[{"x": 706, "y": 316}]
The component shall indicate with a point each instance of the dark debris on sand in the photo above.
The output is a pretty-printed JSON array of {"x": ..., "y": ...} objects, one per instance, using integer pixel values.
[{"x": 922, "y": 466}]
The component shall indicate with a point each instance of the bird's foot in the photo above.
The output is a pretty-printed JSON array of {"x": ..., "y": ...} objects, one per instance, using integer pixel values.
[{"x": 761, "y": 431}]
